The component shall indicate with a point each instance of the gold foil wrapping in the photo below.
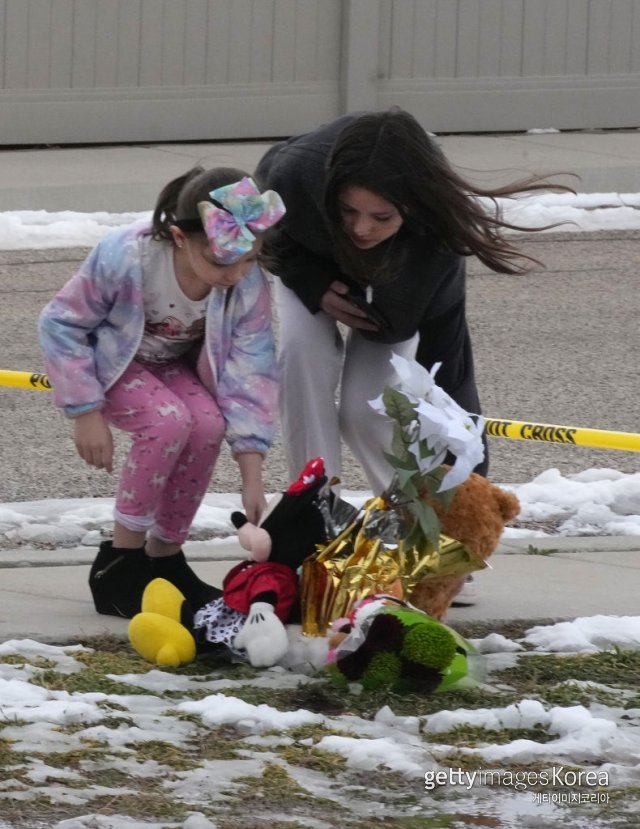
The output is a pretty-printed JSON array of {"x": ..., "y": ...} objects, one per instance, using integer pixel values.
[{"x": 355, "y": 565}]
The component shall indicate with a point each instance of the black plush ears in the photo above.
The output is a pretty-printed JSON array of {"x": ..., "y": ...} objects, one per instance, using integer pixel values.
[{"x": 293, "y": 523}]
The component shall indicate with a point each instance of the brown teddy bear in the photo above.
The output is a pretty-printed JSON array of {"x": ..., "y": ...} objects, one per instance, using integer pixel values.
[{"x": 476, "y": 517}]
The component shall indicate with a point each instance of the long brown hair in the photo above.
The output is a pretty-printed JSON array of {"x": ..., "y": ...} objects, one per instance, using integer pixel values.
[{"x": 391, "y": 155}]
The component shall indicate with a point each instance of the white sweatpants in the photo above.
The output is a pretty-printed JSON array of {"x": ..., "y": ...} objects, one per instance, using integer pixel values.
[{"x": 316, "y": 363}]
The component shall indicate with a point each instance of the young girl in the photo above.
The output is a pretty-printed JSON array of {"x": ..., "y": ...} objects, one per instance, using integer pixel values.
[{"x": 165, "y": 332}]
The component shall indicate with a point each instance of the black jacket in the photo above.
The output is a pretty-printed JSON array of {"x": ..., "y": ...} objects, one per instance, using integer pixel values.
[{"x": 426, "y": 296}]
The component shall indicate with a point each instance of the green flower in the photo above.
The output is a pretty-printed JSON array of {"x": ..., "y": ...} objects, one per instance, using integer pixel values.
[
  {"x": 429, "y": 643},
  {"x": 382, "y": 672}
]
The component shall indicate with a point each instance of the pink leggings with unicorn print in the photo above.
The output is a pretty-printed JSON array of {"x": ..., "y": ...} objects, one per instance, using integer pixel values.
[{"x": 177, "y": 430}]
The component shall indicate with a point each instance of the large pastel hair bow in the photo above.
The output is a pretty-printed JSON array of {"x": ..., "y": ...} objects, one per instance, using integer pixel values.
[{"x": 244, "y": 211}]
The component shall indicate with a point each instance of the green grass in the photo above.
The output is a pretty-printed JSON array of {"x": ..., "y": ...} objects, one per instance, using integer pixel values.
[
  {"x": 540, "y": 551},
  {"x": 276, "y": 797},
  {"x": 474, "y": 735},
  {"x": 276, "y": 790},
  {"x": 616, "y": 668},
  {"x": 140, "y": 806}
]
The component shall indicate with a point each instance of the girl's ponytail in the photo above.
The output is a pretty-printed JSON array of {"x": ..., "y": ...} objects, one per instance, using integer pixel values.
[
  {"x": 178, "y": 201},
  {"x": 164, "y": 214}
]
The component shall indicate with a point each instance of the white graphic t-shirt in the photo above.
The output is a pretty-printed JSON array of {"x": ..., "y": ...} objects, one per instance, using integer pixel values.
[{"x": 173, "y": 322}]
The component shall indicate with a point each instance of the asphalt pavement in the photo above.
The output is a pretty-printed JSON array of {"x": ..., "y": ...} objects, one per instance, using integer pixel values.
[{"x": 558, "y": 345}]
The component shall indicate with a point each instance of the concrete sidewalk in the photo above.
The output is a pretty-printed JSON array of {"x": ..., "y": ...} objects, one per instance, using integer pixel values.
[
  {"x": 44, "y": 593},
  {"x": 118, "y": 178}
]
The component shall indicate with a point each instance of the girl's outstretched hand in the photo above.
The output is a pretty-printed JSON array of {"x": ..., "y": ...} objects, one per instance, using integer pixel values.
[
  {"x": 335, "y": 303},
  {"x": 253, "y": 500},
  {"x": 94, "y": 441}
]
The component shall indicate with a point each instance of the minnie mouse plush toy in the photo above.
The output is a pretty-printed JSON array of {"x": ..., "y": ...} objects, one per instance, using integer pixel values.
[{"x": 247, "y": 618}]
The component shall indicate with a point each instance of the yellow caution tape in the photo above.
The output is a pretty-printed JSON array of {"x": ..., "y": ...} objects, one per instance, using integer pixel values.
[
  {"x": 495, "y": 427},
  {"x": 571, "y": 435},
  {"x": 25, "y": 380}
]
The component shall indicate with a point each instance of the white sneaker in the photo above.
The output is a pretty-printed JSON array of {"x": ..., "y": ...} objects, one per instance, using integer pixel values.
[{"x": 468, "y": 594}]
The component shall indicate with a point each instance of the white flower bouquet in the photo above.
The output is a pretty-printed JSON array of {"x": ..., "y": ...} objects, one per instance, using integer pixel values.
[{"x": 428, "y": 425}]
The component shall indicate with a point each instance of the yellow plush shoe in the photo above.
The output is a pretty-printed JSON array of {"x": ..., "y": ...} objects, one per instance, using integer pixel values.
[
  {"x": 161, "y": 640},
  {"x": 162, "y": 597}
]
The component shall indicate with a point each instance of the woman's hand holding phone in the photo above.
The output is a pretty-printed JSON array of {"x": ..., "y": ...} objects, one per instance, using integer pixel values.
[{"x": 350, "y": 309}]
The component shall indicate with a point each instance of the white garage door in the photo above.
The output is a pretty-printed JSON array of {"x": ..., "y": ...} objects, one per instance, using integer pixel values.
[
  {"x": 161, "y": 70},
  {"x": 86, "y": 71}
]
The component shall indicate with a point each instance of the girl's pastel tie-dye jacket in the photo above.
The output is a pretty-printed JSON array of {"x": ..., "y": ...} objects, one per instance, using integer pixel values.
[{"x": 91, "y": 330}]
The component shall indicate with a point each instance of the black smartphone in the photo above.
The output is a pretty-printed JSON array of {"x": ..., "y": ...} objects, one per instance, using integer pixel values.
[{"x": 376, "y": 316}]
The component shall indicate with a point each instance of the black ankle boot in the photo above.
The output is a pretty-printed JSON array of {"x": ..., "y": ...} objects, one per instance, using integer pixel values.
[
  {"x": 176, "y": 570},
  {"x": 117, "y": 579}
]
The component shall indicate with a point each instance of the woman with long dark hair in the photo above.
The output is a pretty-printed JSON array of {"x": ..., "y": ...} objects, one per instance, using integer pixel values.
[{"x": 377, "y": 229}]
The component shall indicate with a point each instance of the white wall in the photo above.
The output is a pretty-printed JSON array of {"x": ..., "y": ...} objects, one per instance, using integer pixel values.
[
  {"x": 159, "y": 70},
  {"x": 494, "y": 65},
  {"x": 82, "y": 71}
]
